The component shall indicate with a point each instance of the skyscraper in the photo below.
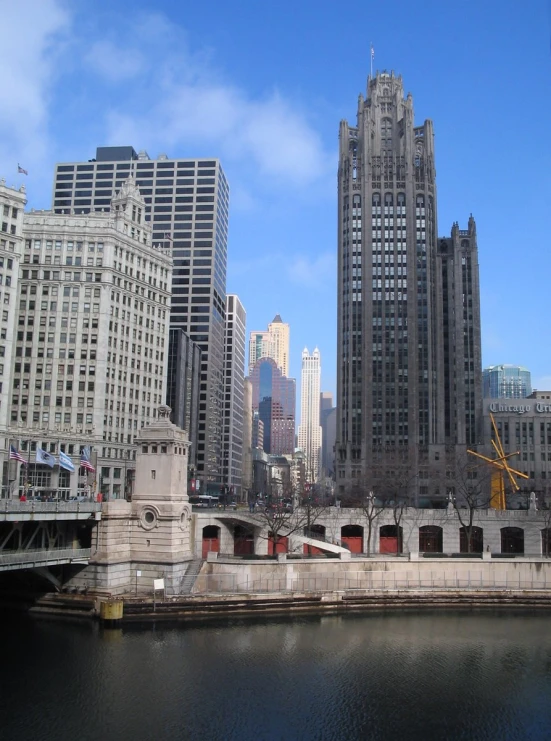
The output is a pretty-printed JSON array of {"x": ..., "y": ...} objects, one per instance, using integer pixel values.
[
  {"x": 309, "y": 431},
  {"x": 91, "y": 346},
  {"x": 274, "y": 398},
  {"x": 271, "y": 343},
  {"x": 12, "y": 204},
  {"x": 506, "y": 382},
  {"x": 234, "y": 378},
  {"x": 328, "y": 418},
  {"x": 187, "y": 204},
  {"x": 409, "y": 369}
]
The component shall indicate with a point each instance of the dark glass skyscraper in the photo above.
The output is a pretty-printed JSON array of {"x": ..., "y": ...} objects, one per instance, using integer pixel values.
[
  {"x": 187, "y": 203},
  {"x": 274, "y": 398},
  {"x": 409, "y": 368}
]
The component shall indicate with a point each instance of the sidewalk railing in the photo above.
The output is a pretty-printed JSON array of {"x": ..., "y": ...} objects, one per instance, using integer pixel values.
[
  {"x": 14, "y": 505},
  {"x": 373, "y": 581}
]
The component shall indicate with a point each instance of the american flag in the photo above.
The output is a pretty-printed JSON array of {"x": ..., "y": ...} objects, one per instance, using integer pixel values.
[
  {"x": 85, "y": 463},
  {"x": 15, "y": 455},
  {"x": 20, "y": 170}
]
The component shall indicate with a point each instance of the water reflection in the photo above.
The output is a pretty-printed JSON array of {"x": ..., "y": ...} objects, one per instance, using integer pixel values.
[{"x": 393, "y": 676}]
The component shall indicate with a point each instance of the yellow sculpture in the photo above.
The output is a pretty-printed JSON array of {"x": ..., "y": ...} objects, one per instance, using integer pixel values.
[{"x": 502, "y": 468}]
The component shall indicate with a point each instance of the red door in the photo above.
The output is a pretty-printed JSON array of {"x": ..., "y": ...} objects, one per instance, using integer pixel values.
[
  {"x": 388, "y": 544},
  {"x": 211, "y": 544},
  {"x": 282, "y": 545},
  {"x": 354, "y": 543}
]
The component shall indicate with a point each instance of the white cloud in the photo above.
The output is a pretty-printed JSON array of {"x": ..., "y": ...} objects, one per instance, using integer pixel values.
[
  {"x": 178, "y": 100},
  {"x": 113, "y": 63},
  {"x": 32, "y": 36},
  {"x": 313, "y": 271}
]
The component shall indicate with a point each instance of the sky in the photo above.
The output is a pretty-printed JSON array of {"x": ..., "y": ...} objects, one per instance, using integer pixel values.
[{"x": 263, "y": 86}]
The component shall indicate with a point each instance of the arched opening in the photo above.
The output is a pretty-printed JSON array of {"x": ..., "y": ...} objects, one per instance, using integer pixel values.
[
  {"x": 476, "y": 544},
  {"x": 243, "y": 540},
  {"x": 317, "y": 532},
  {"x": 211, "y": 540},
  {"x": 546, "y": 541},
  {"x": 512, "y": 540},
  {"x": 352, "y": 536},
  {"x": 430, "y": 539},
  {"x": 281, "y": 546},
  {"x": 390, "y": 539}
]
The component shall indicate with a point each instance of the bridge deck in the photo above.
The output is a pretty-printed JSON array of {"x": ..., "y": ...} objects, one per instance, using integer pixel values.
[
  {"x": 12, "y": 510},
  {"x": 28, "y": 559}
]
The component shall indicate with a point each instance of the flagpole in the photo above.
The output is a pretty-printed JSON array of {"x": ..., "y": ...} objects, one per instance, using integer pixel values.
[{"x": 371, "y": 59}]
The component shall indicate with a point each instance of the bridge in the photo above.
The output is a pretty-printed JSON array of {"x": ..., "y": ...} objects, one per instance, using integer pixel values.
[{"x": 36, "y": 534}]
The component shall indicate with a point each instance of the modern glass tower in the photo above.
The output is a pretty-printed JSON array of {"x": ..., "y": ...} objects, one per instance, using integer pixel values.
[
  {"x": 409, "y": 373},
  {"x": 506, "y": 382},
  {"x": 187, "y": 203}
]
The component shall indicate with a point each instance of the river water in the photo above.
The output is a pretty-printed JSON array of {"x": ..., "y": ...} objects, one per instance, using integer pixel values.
[{"x": 408, "y": 675}]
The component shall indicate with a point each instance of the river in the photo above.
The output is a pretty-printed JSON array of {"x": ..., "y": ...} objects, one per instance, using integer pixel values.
[{"x": 410, "y": 675}]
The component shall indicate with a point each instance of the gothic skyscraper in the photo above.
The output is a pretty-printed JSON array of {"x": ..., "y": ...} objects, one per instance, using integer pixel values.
[{"x": 409, "y": 368}]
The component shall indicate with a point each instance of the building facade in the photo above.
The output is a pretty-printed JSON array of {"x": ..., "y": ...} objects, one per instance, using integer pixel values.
[
  {"x": 405, "y": 308},
  {"x": 309, "y": 431},
  {"x": 271, "y": 343},
  {"x": 91, "y": 341},
  {"x": 183, "y": 388},
  {"x": 274, "y": 398},
  {"x": 187, "y": 202},
  {"x": 506, "y": 382},
  {"x": 328, "y": 419},
  {"x": 12, "y": 204},
  {"x": 234, "y": 395}
]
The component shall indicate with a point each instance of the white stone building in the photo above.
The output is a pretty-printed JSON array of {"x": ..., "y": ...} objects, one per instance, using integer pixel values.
[
  {"x": 309, "y": 431},
  {"x": 91, "y": 341},
  {"x": 271, "y": 343},
  {"x": 12, "y": 204}
]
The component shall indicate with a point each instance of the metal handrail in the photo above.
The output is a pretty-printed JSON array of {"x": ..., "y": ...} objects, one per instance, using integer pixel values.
[{"x": 44, "y": 554}]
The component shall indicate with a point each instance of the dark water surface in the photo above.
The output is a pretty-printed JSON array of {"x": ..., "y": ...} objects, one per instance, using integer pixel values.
[{"x": 468, "y": 675}]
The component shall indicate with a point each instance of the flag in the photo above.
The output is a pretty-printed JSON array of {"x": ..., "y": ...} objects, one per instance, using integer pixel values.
[
  {"x": 168, "y": 237},
  {"x": 66, "y": 462},
  {"x": 85, "y": 459},
  {"x": 15, "y": 455},
  {"x": 43, "y": 457},
  {"x": 85, "y": 463},
  {"x": 20, "y": 170},
  {"x": 372, "y": 52}
]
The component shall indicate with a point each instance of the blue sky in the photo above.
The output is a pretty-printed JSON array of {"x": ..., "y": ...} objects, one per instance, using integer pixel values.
[{"x": 262, "y": 86}]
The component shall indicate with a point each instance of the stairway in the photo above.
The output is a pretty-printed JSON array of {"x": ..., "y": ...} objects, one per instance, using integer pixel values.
[{"x": 188, "y": 580}]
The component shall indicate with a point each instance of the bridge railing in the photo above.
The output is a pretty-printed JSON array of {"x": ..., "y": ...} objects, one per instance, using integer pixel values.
[
  {"x": 42, "y": 556},
  {"x": 14, "y": 505},
  {"x": 372, "y": 581}
]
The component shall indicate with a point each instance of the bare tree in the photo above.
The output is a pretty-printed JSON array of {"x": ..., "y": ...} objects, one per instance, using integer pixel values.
[
  {"x": 280, "y": 519},
  {"x": 469, "y": 492}
]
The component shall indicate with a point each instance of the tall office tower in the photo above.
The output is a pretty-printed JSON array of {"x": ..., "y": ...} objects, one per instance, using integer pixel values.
[
  {"x": 271, "y": 343},
  {"x": 328, "y": 418},
  {"x": 399, "y": 428},
  {"x": 309, "y": 430},
  {"x": 459, "y": 332},
  {"x": 91, "y": 347},
  {"x": 506, "y": 382},
  {"x": 182, "y": 387},
  {"x": 247, "y": 465},
  {"x": 274, "y": 398},
  {"x": 234, "y": 377},
  {"x": 12, "y": 203},
  {"x": 187, "y": 203}
]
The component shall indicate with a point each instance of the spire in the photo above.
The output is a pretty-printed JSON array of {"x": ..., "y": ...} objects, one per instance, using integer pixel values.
[{"x": 277, "y": 319}]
